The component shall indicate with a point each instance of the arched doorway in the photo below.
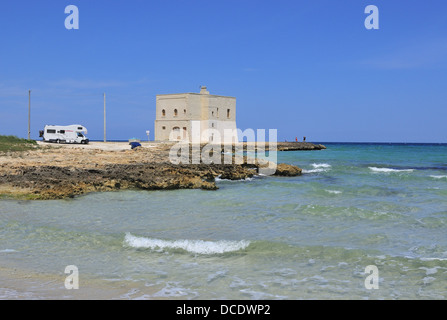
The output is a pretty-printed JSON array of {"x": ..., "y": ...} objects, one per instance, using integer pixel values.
[{"x": 176, "y": 134}]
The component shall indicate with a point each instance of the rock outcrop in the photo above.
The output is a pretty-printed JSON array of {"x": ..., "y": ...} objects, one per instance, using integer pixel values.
[
  {"x": 287, "y": 170},
  {"x": 299, "y": 146},
  {"x": 57, "y": 173},
  {"x": 52, "y": 182}
]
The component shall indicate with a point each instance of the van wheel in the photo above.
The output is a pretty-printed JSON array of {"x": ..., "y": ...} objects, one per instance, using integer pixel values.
[
  {"x": 83, "y": 142},
  {"x": 57, "y": 141}
]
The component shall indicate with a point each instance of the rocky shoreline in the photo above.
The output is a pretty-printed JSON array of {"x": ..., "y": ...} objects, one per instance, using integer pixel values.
[
  {"x": 299, "y": 146},
  {"x": 58, "y": 172},
  {"x": 282, "y": 146}
]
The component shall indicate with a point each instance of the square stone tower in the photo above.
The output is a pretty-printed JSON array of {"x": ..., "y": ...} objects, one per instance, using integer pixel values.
[{"x": 195, "y": 117}]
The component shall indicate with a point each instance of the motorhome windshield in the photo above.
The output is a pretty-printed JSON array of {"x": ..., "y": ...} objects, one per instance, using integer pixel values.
[{"x": 80, "y": 135}]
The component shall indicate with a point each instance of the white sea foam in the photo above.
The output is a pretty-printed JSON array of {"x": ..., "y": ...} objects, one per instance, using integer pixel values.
[
  {"x": 192, "y": 246},
  {"x": 11, "y": 294},
  {"x": 429, "y": 271},
  {"x": 173, "y": 289},
  {"x": 217, "y": 275},
  {"x": 438, "y": 177},
  {"x": 259, "y": 295},
  {"x": 321, "y": 165},
  {"x": 433, "y": 259},
  {"x": 314, "y": 170},
  {"x": 333, "y": 191},
  {"x": 428, "y": 280},
  {"x": 8, "y": 251},
  {"x": 389, "y": 170},
  {"x": 318, "y": 167}
]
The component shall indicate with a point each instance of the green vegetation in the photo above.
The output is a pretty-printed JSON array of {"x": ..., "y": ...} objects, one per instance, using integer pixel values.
[
  {"x": 20, "y": 196},
  {"x": 15, "y": 144}
]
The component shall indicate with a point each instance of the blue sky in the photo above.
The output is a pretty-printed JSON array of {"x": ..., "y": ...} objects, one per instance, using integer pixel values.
[{"x": 306, "y": 68}]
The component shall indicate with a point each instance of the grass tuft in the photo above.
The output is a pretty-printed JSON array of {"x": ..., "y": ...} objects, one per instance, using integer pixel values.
[{"x": 15, "y": 144}]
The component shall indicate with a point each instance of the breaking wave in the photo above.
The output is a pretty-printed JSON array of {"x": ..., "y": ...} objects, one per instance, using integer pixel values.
[
  {"x": 192, "y": 246},
  {"x": 318, "y": 167},
  {"x": 321, "y": 165},
  {"x": 437, "y": 177},
  {"x": 333, "y": 191},
  {"x": 8, "y": 251},
  {"x": 389, "y": 170},
  {"x": 314, "y": 170}
]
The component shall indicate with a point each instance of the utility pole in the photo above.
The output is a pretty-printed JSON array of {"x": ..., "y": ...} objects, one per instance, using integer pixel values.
[
  {"x": 105, "y": 117},
  {"x": 29, "y": 114}
]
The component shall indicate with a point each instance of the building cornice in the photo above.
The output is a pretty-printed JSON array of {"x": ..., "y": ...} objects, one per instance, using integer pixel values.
[{"x": 192, "y": 93}]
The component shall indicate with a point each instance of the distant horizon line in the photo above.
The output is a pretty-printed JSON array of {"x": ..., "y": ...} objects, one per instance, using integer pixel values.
[{"x": 314, "y": 142}]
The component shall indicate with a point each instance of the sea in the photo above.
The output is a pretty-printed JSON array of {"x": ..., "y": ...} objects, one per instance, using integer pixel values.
[{"x": 363, "y": 221}]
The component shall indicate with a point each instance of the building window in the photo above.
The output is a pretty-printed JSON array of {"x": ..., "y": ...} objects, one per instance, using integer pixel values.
[
  {"x": 184, "y": 111},
  {"x": 228, "y": 113},
  {"x": 163, "y": 113},
  {"x": 184, "y": 132},
  {"x": 164, "y": 128},
  {"x": 175, "y": 113},
  {"x": 212, "y": 124},
  {"x": 212, "y": 113},
  {"x": 176, "y": 135},
  {"x": 218, "y": 112}
]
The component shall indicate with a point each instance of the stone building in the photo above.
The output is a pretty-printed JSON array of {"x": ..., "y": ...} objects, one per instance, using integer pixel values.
[{"x": 197, "y": 117}]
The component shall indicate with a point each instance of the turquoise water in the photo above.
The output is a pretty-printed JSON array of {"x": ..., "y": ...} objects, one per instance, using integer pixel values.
[{"x": 307, "y": 237}]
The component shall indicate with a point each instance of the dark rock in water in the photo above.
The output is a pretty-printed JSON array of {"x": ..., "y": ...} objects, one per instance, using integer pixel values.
[
  {"x": 296, "y": 146},
  {"x": 287, "y": 170}
]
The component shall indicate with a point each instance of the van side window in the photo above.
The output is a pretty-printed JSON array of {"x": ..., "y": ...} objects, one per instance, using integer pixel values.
[
  {"x": 62, "y": 131},
  {"x": 51, "y": 131},
  {"x": 80, "y": 128}
]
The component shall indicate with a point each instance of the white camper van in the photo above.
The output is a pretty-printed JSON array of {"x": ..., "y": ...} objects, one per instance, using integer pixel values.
[{"x": 74, "y": 133}]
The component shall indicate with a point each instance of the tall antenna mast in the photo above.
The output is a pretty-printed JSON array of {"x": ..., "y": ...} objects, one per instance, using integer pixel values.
[
  {"x": 105, "y": 139},
  {"x": 29, "y": 114}
]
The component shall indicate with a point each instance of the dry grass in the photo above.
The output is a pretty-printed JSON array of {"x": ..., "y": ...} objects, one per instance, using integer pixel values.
[{"x": 15, "y": 144}]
